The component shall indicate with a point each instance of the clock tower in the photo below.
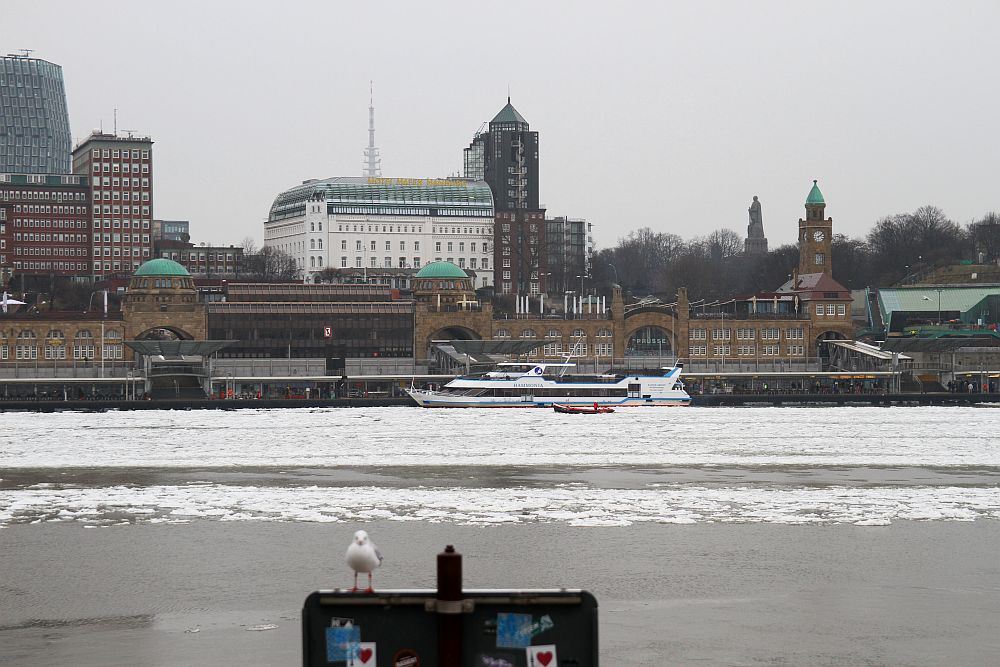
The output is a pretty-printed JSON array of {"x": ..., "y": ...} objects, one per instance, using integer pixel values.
[{"x": 815, "y": 236}]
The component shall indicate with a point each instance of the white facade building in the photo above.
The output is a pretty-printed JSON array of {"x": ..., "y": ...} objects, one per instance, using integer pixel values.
[{"x": 382, "y": 223}]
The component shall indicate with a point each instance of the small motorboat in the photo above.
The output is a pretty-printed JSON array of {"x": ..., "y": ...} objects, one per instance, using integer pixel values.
[{"x": 581, "y": 409}]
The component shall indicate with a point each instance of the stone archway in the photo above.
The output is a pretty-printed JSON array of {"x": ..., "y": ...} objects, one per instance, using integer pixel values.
[
  {"x": 438, "y": 358},
  {"x": 453, "y": 332},
  {"x": 164, "y": 333},
  {"x": 657, "y": 319},
  {"x": 650, "y": 341}
]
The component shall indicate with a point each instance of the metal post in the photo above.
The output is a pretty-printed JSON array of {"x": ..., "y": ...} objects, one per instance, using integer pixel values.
[{"x": 449, "y": 607}]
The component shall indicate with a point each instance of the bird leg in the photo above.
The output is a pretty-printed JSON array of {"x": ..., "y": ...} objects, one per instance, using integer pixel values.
[
  {"x": 369, "y": 589},
  {"x": 355, "y": 589}
]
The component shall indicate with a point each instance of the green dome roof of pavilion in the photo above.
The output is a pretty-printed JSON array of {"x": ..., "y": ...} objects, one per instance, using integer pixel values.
[
  {"x": 161, "y": 267},
  {"x": 815, "y": 196},
  {"x": 441, "y": 270}
]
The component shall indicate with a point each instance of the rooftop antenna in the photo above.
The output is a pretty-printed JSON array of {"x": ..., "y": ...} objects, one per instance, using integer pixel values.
[
  {"x": 26, "y": 53},
  {"x": 116, "y": 121},
  {"x": 373, "y": 163}
]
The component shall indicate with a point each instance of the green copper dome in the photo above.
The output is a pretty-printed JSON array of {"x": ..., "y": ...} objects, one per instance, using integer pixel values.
[
  {"x": 441, "y": 270},
  {"x": 815, "y": 196},
  {"x": 161, "y": 267}
]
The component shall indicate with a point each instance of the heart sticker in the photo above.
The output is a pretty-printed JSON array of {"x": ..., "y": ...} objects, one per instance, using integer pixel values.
[
  {"x": 542, "y": 656},
  {"x": 364, "y": 655}
]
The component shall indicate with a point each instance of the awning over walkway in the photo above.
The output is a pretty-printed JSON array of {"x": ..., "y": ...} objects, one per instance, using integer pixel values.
[
  {"x": 501, "y": 347},
  {"x": 866, "y": 349},
  {"x": 178, "y": 348}
]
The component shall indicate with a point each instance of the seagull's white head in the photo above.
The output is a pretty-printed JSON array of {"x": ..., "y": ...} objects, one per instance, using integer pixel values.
[{"x": 361, "y": 537}]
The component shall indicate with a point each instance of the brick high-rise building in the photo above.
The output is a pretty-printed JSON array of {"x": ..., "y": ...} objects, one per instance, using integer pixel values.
[
  {"x": 44, "y": 224},
  {"x": 34, "y": 122},
  {"x": 121, "y": 171},
  {"x": 520, "y": 252}
]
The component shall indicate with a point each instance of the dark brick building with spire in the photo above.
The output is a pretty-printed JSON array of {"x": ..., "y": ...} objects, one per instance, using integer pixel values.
[{"x": 506, "y": 157}]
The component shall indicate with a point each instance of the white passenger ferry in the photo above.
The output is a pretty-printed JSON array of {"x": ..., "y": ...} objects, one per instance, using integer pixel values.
[{"x": 537, "y": 385}]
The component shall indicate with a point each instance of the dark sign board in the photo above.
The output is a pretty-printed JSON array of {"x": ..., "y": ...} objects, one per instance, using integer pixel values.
[{"x": 499, "y": 628}]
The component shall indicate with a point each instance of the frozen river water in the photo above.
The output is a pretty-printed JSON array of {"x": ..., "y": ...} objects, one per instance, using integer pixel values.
[{"x": 824, "y": 465}]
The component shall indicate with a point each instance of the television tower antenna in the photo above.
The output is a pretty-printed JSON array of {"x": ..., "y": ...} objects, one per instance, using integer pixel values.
[{"x": 372, "y": 163}]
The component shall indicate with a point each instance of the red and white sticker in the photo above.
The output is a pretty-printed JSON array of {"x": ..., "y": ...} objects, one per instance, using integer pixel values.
[
  {"x": 406, "y": 657},
  {"x": 542, "y": 656},
  {"x": 364, "y": 656}
]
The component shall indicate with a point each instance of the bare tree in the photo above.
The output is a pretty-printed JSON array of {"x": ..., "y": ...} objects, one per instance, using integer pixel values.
[
  {"x": 267, "y": 263},
  {"x": 985, "y": 236}
]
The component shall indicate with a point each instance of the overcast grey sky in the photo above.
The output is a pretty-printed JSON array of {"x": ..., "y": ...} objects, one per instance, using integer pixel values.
[{"x": 667, "y": 115}]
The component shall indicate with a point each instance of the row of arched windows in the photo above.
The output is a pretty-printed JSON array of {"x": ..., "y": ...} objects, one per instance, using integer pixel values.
[{"x": 55, "y": 346}]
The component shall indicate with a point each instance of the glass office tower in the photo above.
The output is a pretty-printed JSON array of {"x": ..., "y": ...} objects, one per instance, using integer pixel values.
[{"x": 34, "y": 122}]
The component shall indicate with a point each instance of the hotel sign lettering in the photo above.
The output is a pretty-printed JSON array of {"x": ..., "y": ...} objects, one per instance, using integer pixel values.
[{"x": 414, "y": 181}]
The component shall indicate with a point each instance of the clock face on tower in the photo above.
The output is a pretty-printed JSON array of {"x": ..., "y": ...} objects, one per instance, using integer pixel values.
[{"x": 818, "y": 235}]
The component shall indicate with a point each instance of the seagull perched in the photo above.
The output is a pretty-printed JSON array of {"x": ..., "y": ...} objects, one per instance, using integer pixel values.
[{"x": 363, "y": 556}]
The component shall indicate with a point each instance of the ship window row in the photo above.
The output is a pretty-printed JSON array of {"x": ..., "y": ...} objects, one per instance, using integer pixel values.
[{"x": 556, "y": 392}]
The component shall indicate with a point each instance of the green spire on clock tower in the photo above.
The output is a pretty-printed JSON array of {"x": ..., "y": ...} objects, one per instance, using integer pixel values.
[{"x": 815, "y": 236}]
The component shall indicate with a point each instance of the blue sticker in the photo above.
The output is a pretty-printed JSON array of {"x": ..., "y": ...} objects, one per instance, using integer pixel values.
[
  {"x": 342, "y": 643},
  {"x": 513, "y": 630}
]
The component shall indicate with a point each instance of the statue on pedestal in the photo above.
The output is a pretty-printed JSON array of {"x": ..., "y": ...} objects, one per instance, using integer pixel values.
[{"x": 756, "y": 242}]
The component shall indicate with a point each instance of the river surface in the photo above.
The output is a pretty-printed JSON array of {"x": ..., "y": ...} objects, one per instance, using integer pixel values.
[
  {"x": 855, "y": 465},
  {"x": 710, "y": 536}
]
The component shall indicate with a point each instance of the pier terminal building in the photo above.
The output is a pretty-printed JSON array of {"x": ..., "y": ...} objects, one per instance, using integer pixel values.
[{"x": 327, "y": 330}]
